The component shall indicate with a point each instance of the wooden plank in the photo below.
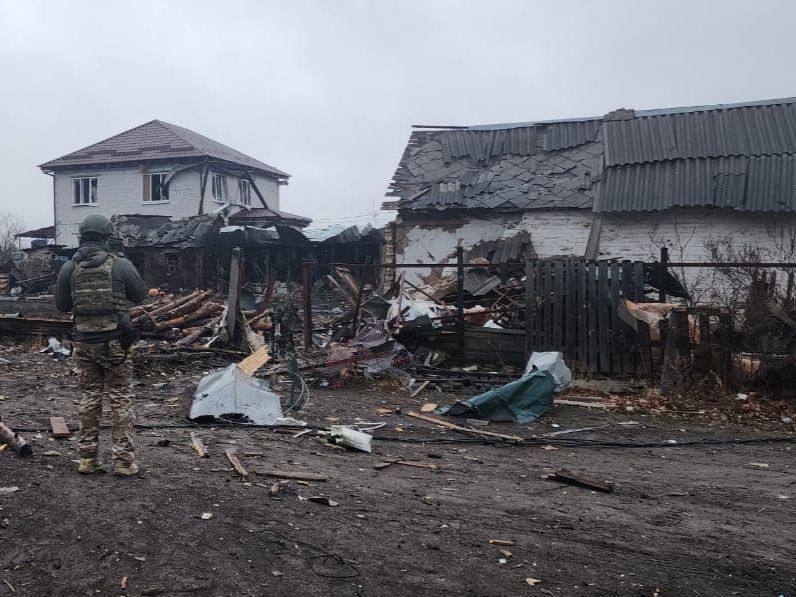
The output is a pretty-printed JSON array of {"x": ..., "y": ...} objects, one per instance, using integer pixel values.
[
  {"x": 460, "y": 428},
  {"x": 198, "y": 445},
  {"x": 582, "y": 307},
  {"x": 59, "y": 428},
  {"x": 385, "y": 464},
  {"x": 420, "y": 388},
  {"x": 565, "y": 476},
  {"x": 593, "y": 320},
  {"x": 547, "y": 318},
  {"x": 254, "y": 361},
  {"x": 297, "y": 475},
  {"x": 571, "y": 315},
  {"x": 603, "y": 318},
  {"x": 535, "y": 312},
  {"x": 638, "y": 281},
  {"x": 558, "y": 305},
  {"x": 529, "y": 288},
  {"x": 615, "y": 331},
  {"x": 236, "y": 464},
  {"x": 629, "y": 353},
  {"x": 233, "y": 300}
]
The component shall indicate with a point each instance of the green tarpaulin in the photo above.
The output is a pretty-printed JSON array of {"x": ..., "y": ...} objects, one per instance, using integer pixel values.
[{"x": 523, "y": 400}]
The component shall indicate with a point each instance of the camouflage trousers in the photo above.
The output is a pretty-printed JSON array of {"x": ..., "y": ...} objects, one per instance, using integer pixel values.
[{"x": 105, "y": 369}]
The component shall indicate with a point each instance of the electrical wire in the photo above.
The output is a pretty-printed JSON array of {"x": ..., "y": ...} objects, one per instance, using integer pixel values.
[{"x": 526, "y": 442}]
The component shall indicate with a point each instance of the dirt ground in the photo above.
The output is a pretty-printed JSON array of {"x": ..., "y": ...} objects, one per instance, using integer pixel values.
[{"x": 713, "y": 518}]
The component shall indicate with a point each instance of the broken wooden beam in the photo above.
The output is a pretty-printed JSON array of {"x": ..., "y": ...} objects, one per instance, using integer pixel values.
[
  {"x": 419, "y": 389},
  {"x": 254, "y": 361},
  {"x": 463, "y": 429},
  {"x": 198, "y": 445},
  {"x": 59, "y": 428},
  {"x": 565, "y": 476},
  {"x": 236, "y": 464},
  {"x": 299, "y": 476},
  {"x": 15, "y": 440}
]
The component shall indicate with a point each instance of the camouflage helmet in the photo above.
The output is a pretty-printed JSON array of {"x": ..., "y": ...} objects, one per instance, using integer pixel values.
[{"x": 97, "y": 224}]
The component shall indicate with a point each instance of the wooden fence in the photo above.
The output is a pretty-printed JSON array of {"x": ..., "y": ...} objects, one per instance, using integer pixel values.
[{"x": 571, "y": 307}]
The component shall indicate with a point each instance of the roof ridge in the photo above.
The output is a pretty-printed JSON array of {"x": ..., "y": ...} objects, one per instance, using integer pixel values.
[
  {"x": 170, "y": 127},
  {"x": 105, "y": 140}
]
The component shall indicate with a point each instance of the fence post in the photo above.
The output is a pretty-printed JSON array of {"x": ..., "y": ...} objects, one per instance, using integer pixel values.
[
  {"x": 306, "y": 297},
  {"x": 233, "y": 300},
  {"x": 528, "y": 308},
  {"x": 664, "y": 270},
  {"x": 460, "y": 296}
]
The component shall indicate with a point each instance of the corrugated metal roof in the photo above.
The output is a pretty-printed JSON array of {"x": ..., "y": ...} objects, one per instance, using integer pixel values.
[
  {"x": 158, "y": 140},
  {"x": 561, "y": 135},
  {"x": 727, "y": 155},
  {"x": 755, "y": 130},
  {"x": 763, "y": 183}
]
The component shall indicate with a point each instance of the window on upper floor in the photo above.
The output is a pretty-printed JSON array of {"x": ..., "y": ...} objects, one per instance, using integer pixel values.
[
  {"x": 155, "y": 188},
  {"x": 219, "y": 187},
  {"x": 245, "y": 192},
  {"x": 84, "y": 191}
]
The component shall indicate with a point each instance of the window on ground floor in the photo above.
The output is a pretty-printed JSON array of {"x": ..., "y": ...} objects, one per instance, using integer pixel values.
[
  {"x": 173, "y": 262},
  {"x": 84, "y": 191}
]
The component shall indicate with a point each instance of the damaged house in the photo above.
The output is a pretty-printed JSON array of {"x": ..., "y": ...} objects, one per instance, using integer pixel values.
[
  {"x": 613, "y": 187},
  {"x": 162, "y": 170}
]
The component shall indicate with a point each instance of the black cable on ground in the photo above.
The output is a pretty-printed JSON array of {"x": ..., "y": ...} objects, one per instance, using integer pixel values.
[{"x": 526, "y": 442}]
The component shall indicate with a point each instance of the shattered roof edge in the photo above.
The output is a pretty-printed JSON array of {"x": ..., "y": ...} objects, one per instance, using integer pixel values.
[{"x": 637, "y": 114}]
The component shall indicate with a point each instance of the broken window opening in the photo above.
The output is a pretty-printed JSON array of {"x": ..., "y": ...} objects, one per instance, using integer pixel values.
[
  {"x": 245, "y": 192},
  {"x": 84, "y": 191},
  {"x": 173, "y": 262},
  {"x": 155, "y": 188},
  {"x": 219, "y": 187}
]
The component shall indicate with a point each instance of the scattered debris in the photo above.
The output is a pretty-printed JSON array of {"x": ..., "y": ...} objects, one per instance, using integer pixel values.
[
  {"x": 16, "y": 441},
  {"x": 206, "y": 515},
  {"x": 232, "y": 395},
  {"x": 523, "y": 400},
  {"x": 292, "y": 475},
  {"x": 235, "y": 462},
  {"x": 533, "y": 581},
  {"x": 463, "y": 429},
  {"x": 11, "y": 489},
  {"x": 198, "y": 445},
  {"x": 318, "y": 499},
  {"x": 59, "y": 428},
  {"x": 504, "y": 542},
  {"x": 565, "y": 476},
  {"x": 345, "y": 435},
  {"x": 429, "y": 407}
]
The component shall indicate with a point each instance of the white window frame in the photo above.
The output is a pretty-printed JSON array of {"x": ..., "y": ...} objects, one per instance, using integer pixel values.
[
  {"x": 148, "y": 178},
  {"x": 245, "y": 192},
  {"x": 219, "y": 187},
  {"x": 84, "y": 196}
]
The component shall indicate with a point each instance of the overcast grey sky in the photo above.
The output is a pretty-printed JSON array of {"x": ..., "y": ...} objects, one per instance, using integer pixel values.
[{"x": 328, "y": 90}]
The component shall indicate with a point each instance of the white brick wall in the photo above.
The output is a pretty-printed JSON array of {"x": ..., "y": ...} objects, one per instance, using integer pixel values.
[
  {"x": 553, "y": 232},
  {"x": 566, "y": 232},
  {"x": 120, "y": 191}
]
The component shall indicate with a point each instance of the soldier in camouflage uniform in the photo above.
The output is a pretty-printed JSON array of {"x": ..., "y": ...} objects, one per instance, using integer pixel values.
[{"x": 98, "y": 287}]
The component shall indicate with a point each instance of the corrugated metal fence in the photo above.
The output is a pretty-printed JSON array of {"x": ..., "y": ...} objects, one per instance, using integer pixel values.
[{"x": 572, "y": 307}]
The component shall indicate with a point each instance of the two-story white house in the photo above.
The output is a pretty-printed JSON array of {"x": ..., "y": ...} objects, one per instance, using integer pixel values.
[{"x": 161, "y": 169}]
